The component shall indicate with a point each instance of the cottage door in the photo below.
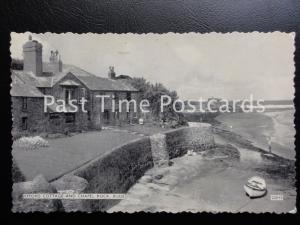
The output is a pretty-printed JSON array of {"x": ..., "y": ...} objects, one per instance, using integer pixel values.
[{"x": 106, "y": 118}]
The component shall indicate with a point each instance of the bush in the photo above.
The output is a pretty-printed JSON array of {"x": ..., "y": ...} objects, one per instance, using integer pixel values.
[
  {"x": 16, "y": 173},
  {"x": 153, "y": 93},
  {"x": 31, "y": 143}
]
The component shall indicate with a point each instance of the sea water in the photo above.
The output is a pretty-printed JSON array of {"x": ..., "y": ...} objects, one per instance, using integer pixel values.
[{"x": 259, "y": 127}]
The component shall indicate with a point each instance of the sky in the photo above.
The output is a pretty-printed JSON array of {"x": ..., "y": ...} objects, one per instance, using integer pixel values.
[{"x": 232, "y": 65}]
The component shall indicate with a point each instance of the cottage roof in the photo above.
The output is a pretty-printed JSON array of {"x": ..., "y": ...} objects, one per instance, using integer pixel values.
[
  {"x": 96, "y": 83},
  {"x": 21, "y": 88},
  {"x": 69, "y": 83},
  {"x": 91, "y": 81},
  {"x": 104, "y": 84}
]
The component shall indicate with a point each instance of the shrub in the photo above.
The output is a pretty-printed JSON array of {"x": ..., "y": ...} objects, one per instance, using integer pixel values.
[
  {"x": 31, "y": 143},
  {"x": 153, "y": 93},
  {"x": 16, "y": 173}
]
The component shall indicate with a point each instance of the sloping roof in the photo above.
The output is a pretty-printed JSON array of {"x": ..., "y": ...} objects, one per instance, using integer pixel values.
[
  {"x": 20, "y": 88},
  {"x": 29, "y": 77},
  {"x": 69, "y": 83},
  {"x": 92, "y": 81},
  {"x": 104, "y": 84}
]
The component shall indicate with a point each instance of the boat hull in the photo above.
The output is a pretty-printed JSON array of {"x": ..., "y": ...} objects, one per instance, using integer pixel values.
[{"x": 253, "y": 193}]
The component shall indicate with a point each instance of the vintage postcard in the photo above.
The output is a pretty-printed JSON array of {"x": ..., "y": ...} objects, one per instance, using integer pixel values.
[{"x": 153, "y": 122}]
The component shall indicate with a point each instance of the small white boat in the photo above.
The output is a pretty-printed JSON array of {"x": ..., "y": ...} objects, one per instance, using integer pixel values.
[{"x": 255, "y": 187}]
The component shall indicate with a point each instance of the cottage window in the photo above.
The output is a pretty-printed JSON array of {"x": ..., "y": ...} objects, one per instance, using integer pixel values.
[
  {"x": 43, "y": 90},
  {"x": 24, "y": 103},
  {"x": 24, "y": 123},
  {"x": 69, "y": 95},
  {"x": 128, "y": 96},
  {"x": 70, "y": 117},
  {"x": 117, "y": 115},
  {"x": 106, "y": 114},
  {"x": 53, "y": 116},
  {"x": 89, "y": 115},
  {"x": 83, "y": 92},
  {"x": 55, "y": 119}
]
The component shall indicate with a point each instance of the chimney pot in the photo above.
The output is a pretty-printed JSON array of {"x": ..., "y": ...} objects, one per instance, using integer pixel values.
[
  {"x": 55, "y": 63},
  {"x": 111, "y": 73}
]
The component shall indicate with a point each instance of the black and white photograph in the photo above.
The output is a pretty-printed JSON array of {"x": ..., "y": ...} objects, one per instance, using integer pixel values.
[{"x": 192, "y": 122}]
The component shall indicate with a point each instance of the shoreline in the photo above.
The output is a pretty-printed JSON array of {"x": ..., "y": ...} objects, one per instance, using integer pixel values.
[
  {"x": 213, "y": 181},
  {"x": 256, "y": 128}
]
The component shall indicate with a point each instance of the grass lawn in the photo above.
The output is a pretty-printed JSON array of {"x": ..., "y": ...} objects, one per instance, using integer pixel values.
[{"x": 67, "y": 153}]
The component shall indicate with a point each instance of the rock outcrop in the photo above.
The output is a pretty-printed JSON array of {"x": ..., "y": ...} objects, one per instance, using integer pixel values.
[
  {"x": 38, "y": 185},
  {"x": 74, "y": 184}
]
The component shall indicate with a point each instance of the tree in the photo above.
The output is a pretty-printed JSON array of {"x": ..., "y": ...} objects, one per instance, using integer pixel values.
[{"x": 153, "y": 93}]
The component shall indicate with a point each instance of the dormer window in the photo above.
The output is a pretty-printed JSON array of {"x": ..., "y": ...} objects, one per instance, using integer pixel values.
[
  {"x": 83, "y": 92},
  {"x": 69, "y": 94}
]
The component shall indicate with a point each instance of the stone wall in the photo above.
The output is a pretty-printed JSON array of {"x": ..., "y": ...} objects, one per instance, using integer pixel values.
[
  {"x": 39, "y": 122},
  {"x": 181, "y": 140},
  {"x": 118, "y": 170},
  {"x": 36, "y": 118},
  {"x": 115, "y": 118},
  {"x": 160, "y": 154},
  {"x": 81, "y": 118},
  {"x": 57, "y": 123}
]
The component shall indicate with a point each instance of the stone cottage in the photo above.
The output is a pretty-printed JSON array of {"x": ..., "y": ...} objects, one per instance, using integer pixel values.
[{"x": 38, "y": 79}]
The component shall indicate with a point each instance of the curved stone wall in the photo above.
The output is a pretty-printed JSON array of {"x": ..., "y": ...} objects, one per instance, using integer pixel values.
[
  {"x": 118, "y": 170},
  {"x": 189, "y": 138}
]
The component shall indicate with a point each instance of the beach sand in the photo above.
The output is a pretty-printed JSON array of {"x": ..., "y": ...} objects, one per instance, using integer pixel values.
[
  {"x": 283, "y": 135},
  {"x": 258, "y": 127}
]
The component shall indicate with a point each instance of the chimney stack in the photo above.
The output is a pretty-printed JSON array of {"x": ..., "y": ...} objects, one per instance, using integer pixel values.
[
  {"x": 111, "y": 73},
  {"x": 32, "y": 53},
  {"x": 55, "y": 64}
]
